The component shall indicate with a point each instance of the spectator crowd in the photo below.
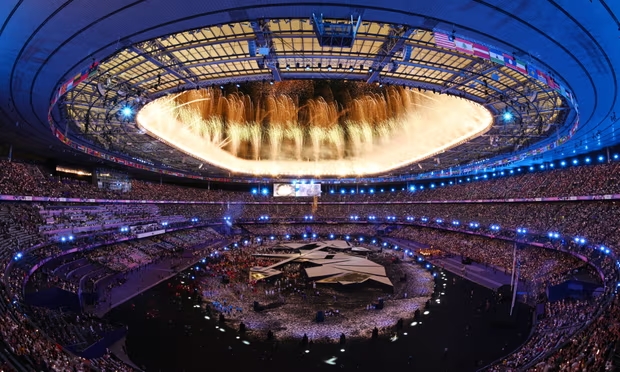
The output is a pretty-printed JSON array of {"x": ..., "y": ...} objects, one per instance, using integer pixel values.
[{"x": 30, "y": 231}]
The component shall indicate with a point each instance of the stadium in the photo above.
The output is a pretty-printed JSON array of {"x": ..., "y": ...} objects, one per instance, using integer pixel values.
[{"x": 292, "y": 186}]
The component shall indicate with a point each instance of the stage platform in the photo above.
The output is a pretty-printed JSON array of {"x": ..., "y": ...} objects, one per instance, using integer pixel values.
[
  {"x": 141, "y": 280},
  {"x": 486, "y": 276}
]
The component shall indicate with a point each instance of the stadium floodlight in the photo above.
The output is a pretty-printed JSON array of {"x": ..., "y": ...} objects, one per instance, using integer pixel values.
[{"x": 127, "y": 111}]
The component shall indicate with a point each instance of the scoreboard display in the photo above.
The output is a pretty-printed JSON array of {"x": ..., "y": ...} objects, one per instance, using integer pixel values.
[{"x": 297, "y": 189}]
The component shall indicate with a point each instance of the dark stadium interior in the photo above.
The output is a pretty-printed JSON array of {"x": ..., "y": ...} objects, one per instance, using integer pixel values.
[
  {"x": 291, "y": 186},
  {"x": 474, "y": 337}
]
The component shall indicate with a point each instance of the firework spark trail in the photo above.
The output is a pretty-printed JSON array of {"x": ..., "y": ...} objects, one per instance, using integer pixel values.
[
  {"x": 370, "y": 133},
  {"x": 255, "y": 137},
  {"x": 296, "y": 135},
  {"x": 276, "y": 135},
  {"x": 317, "y": 134}
]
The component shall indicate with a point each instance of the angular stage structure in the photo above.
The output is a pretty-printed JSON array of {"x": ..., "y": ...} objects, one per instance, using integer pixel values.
[{"x": 332, "y": 263}]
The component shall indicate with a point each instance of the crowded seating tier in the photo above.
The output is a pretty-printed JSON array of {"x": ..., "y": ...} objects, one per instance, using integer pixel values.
[
  {"x": 27, "y": 179},
  {"x": 588, "y": 228}
]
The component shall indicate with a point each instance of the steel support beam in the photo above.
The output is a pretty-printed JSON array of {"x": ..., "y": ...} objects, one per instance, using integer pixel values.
[
  {"x": 263, "y": 41},
  {"x": 156, "y": 53},
  {"x": 469, "y": 75},
  {"x": 394, "y": 43}
]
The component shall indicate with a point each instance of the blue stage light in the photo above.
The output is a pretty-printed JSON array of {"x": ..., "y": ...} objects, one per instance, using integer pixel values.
[
  {"x": 507, "y": 116},
  {"x": 127, "y": 111}
]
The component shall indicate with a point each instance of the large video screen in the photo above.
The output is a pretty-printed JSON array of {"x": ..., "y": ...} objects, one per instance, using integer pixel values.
[{"x": 297, "y": 189}]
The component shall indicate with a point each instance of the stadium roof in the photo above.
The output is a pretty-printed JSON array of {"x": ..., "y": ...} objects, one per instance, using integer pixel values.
[{"x": 148, "y": 49}]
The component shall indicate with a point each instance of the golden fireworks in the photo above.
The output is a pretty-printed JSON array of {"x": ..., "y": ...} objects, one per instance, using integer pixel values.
[{"x": 277, "y": 136}]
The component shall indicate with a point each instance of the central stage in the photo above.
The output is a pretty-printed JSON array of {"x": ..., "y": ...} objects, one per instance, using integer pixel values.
[{"x": 348, "y": 289}]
